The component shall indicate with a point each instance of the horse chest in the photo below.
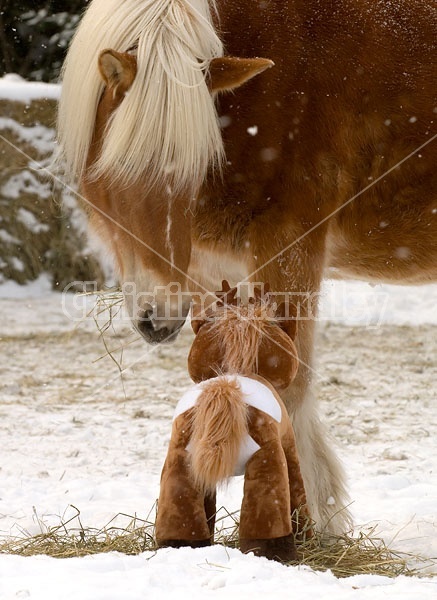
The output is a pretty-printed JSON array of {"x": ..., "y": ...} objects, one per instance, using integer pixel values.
[{"x": 209, "y": 266}]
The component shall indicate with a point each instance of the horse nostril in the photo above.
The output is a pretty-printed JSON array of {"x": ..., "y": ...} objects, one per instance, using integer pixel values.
[
  {"x": 146, "y": 317},
  {"x": 145, "y": 324},
  {"x": 154, "y": 334}
]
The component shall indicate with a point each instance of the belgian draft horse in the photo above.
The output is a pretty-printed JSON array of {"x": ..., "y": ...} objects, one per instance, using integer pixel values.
[{"x": 325, "y": 160}]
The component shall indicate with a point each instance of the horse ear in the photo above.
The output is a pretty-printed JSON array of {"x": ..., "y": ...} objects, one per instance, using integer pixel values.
[
  {"x": 118, "y": 70},
  {"x": 286, "y": 315},
  {"x": 228, "y": 72}
]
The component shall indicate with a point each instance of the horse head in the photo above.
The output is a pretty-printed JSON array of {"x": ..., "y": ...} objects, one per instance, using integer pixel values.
[
  {"x": 245, "y": 339},
  {"x": 139, "y": 209}
]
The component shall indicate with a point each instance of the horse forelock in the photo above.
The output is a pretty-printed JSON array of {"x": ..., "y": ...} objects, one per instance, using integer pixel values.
[{"x": 166, "y": 128}]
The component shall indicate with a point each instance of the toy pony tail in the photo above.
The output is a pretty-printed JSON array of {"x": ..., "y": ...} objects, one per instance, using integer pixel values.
[{"x": 219, "y": 427}]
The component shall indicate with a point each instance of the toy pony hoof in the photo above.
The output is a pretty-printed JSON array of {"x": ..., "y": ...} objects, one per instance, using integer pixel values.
[
  {"x": 183, "y": 543},
  {"x": 282, "y": 549}
]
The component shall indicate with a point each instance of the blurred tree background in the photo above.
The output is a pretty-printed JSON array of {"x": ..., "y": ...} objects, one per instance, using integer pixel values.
[
  {"x": 34, "y": 36},
  {"x": 42, "y": 227}
]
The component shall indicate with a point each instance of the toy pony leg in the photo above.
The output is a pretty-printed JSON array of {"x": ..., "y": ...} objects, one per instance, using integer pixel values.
[
  {"x": 182, "y": 509},
  {"x": 298, "y": 503},
  {"x": 265, "y": 524},
  {"x": 210, "y": 512}
]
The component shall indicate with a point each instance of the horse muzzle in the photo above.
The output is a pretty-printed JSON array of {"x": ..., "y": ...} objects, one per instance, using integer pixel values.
[{"x": 157, "y": 331}]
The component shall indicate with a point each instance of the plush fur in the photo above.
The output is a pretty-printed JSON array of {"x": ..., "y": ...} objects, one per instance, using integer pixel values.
[
  {"x": 218, "y": 427},
  {"x": 207, "y": 438}
]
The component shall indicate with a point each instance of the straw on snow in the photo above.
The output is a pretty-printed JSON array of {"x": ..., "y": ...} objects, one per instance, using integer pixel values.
[{"x": 345, "y": 556}]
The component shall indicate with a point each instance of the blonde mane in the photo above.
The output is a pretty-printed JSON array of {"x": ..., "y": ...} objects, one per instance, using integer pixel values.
[{"x": 167, "y": 125}]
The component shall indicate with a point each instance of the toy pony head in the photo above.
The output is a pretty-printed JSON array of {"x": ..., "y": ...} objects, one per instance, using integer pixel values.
[{"x": 256, "y": 338}]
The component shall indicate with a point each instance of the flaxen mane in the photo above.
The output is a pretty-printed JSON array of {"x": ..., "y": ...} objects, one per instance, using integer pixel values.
[
  {"x": 240, "y": 333},
  {"x": 167, "y": 124}
]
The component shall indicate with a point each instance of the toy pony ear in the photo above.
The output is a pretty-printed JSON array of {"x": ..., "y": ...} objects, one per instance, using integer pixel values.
[
  {"x": 118, "y": 70},
  {"x": 197, "y": 317},
  {"x": 227, "y": 72},
  {"x": 286, "y": 315},
  {"x": 226, "y": 296}
]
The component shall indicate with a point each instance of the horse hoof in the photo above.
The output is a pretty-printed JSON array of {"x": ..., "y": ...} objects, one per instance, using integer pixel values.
[{"x": 282, "y": 549}]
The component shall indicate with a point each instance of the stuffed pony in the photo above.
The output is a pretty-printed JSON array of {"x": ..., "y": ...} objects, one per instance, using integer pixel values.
[{"x": 236, "y": 423}]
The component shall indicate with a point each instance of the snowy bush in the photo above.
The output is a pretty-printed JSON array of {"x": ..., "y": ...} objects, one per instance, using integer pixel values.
[{"x": 41, "y": 225}]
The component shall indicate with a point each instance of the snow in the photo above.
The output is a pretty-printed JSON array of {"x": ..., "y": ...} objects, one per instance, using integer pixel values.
[
  {"x": 35, "y": 289},
  {"x": 194, "y": 574},
  {"x": 38, "y": 135},
  {"x": 6, "y": 237},
  {"x": 30, "y": 221},
  {"x": 74, "y": 435},
  {"x": 359, "y": 303},
  {"x": 14, "y": 87}
]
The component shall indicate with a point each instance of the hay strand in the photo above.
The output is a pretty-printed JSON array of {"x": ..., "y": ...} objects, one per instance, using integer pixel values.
[
  {"x": 71, "y": 539},
  {"x": 345, "y": 556}
]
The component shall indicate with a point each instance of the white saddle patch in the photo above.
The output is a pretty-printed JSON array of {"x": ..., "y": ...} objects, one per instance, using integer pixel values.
[
  {"x": 247, "y": 450},
  {"x": 255, "y": 394},
  {"x": 259, "y": 396}
]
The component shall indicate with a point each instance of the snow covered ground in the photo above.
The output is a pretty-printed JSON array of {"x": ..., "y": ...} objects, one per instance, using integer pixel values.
[{"x": 73, "y": 432}]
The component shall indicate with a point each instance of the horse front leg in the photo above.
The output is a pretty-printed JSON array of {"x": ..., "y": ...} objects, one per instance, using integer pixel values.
[
  {"x": 321, "y": 469},
  {"x": 297, "y": 274},
  {"x": 183, "y": 512}
]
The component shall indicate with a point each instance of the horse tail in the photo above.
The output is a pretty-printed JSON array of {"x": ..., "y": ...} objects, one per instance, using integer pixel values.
[{"x": 219, "y": 427}]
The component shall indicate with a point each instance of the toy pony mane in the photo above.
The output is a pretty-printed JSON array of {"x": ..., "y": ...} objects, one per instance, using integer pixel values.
[
  {"x": 240, "y": 332},
  {"x": 166, "y": 128}
]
